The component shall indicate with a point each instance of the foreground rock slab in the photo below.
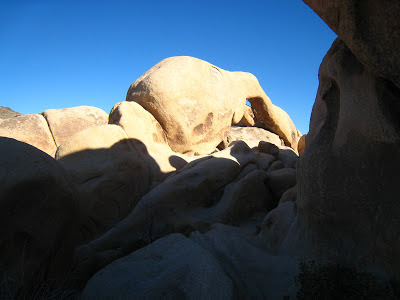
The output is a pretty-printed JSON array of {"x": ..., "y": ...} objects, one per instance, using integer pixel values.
[
  {"x": 348, "y": 174},
  {"x": 39, "y": 214},
  {"x": 224, "y": 263}
]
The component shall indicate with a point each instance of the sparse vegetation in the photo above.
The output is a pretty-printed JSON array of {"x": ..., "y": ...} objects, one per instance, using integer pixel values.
[{"x": 335, "y": 281}]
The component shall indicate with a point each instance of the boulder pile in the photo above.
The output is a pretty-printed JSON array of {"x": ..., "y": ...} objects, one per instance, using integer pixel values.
[
  {"x": 183, "y": 188},
  {"x": 169, "y": 160}
]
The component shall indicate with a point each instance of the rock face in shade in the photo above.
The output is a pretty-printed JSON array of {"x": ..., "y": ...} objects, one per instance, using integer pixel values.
[
  {"x": 109, "y": 172},
  {"x": 226, "y": 187},
  {"x": 348, "y": 178},
  {"x": 210, "y": 265},
  {"x": 144, "y": 131},
  {"x": 173, "y": 266},
  {"x": 65, "y": 122},
  {"x": 371, "y": 29},
  {"x": 196, "y": 103},
  {"x": 39, "y": 216},
  {"x": 31, "y": 129}
]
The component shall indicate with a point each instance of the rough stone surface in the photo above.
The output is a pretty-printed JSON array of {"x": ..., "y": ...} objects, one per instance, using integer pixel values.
[
  {"x": 31, "y": 129},
  {"x": 248, "y": 116},
  {"x": 348, "y": 178},
  {"x": 302, "y": 144},
  {"x": 173, "y": 267},
  {"x": 288, "y": 156},
  {"x": 188, "y": 200},
  {"x": 269, "y": 148},
  {"x": 6, "y": 113},
  {"x": 148, "y": 138},
  {"x": 203, "y": 266},
  {"x": 371, "y": 29},
  {"x": 110, "y": 173},
  {"x": 38, "y": 213},
  {"x": 281, "y": 180},
  {"x": 277, "y": 223},
  {"x": 65, "y": 122},
  {"x": 196, "y": 103},
  {"x": 275, "y": 119},
  {"x": 250, "y": 135},
  {"x": 289, "y": 196}
]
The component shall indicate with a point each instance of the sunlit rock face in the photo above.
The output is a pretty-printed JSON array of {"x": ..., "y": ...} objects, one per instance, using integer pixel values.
[
  {"x": 196, "y": 103},
  {"x": 370, "y": 28},
  {"x": 348, "y": 176}
]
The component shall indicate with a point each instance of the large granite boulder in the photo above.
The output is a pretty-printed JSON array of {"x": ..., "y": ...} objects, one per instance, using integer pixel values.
[
  {"x": 39, "y": 216},
  {"x": 110, "y": 173},
  {"x": 224, "y": 263},
  {"x": 348, "y": 174},
  {"x": 65, "y": 122},
  {"x": 371, "y": 29},
  {"x": 196, "y": 103},
  {"x": 250, "y": 135},
  {"x": 173, "y": 267},
  {"x": 148, "y": 137},
  {"x": 226, "y": 187},
  {"x": 31, "y": 129}
]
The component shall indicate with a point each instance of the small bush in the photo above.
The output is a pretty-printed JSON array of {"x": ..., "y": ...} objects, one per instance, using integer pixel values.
[{"x": 334, "y": 281}]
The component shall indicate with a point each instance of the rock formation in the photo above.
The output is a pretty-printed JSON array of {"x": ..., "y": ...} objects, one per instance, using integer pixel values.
[
  {"x": 149, "y": 207},
  {"x": 196, "y": 103},
  {"x": 347, "y": 178},
  {"x": 39, "y": 214},
  {"x": 46, "y": 131},
  {"x": 371, "y": 30}
]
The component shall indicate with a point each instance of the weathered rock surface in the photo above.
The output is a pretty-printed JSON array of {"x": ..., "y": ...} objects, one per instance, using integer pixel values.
[
  {"x": 281, "y": 180},
  {"x": 302, "y": 144},
  {"x": 275, "y": 119},
  {"x": 39, "y": 215},
  {"x": 148, "y": 138},
  {"x": 248, "y": 116},
  {"x": 289, "y": 196},
  {"x": 211, "y": 189},
  {"x": 6, "y": 113},
  {"x": 277, "y": 223},
  {"x": 65, "y": 122},
  {"x": 207, "y": 265},
  {"x": 196, "y": 103},
  {"x": 31, "y": 129},
  {"x": 250, "y": 135},
  {"x": 348, "y": 177},
  {"x": 109, "y": 172},
  {"x": 371, "y": 29},
  {"x": 174, "y": 266}
]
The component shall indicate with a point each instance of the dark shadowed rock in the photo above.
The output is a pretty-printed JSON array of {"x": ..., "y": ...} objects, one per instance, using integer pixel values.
[
  {"x": 109, "y": 172},
  {"x": 348, "y": 175},
  {"x": 370, "y": 28},
  {"x": 279, "y": 181},
  {"x": 174, "y": 266},
  {"x": 39, "y": 215}
]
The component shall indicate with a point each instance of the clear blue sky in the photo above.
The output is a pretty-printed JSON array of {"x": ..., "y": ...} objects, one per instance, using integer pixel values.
[{"x": 57, "y": 54}]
